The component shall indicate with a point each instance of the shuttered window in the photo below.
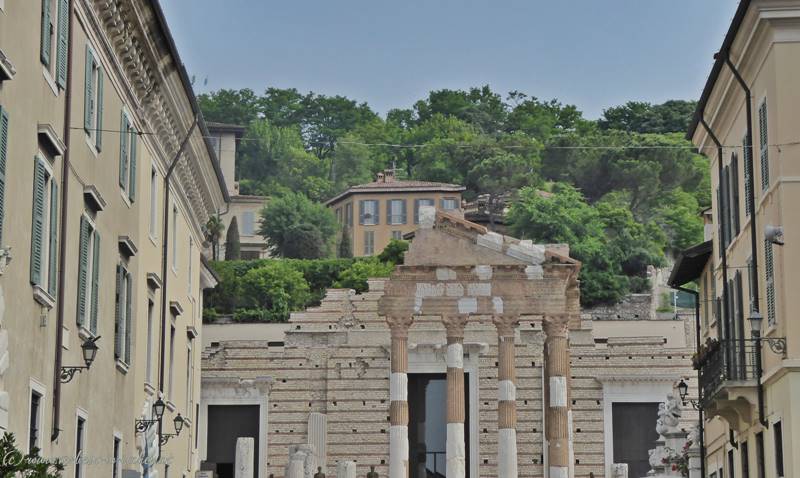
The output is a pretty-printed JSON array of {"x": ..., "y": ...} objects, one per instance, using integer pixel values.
[
  {"x": 369, "y": 243},
  {"x": 93, "y": 99},
  {"x": 4, "y": 122},
  {"x": 123, "y": 315},
  {"x": 88, "y": 275},
  {"x": 769, "y": 268},
  {"x": 396, "y": 211},
  {"x": 127, "y": 156},
  {"x": 48, "y": 30},
  {"x": 62, "y": 39},
  {"x": 763, "y": 144},
  {"x": 748, "y": 180},
  {"x": 44, "y": 227},
  {"x": 368, "y": 213},
  {"x": 733, "y": 179},
  {"x": 54, "y": 37}
]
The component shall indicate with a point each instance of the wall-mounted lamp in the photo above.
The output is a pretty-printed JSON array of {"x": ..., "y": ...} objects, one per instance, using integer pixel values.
[
  {"x": 89, "y": 349},
  {"x": 178, "y": 423},
  {"x": 158, "y": 413},
  {"x": 683, "y": 390}
]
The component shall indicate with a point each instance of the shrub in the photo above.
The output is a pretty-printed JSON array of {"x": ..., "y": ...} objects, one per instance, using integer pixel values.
[
  {"x": 394, "y": 252},
  {"x": 355, "y": 277},
  {"x": 232, "y": 245},
  {"x": 276, "y": 286}
]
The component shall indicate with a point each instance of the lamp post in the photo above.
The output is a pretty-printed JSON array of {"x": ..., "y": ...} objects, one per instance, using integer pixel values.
[{"x": 89, "y": 350}]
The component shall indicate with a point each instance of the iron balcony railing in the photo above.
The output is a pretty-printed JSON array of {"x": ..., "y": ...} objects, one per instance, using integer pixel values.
[{"x": 726, "y": 361}]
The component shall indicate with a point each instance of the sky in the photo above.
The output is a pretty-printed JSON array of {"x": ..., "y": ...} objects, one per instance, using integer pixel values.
[{"x": 590, "y": 53}]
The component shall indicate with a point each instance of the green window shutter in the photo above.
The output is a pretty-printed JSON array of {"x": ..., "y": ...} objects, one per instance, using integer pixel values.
[
  {"x": 769, "y": 269},
  {"x": 748, "y": 181},
  {"x": 735, "y": 193},
  {"x": 95, "y": 281},
  {"x": 61, "y": 46},
  {"x": 361, "y": 212},
  {"x": 3, "y": 150},
  {"x": 98, "y": 142},
  {"x": 37, "y": 223},
  {"x": 404, "y": 212},
  {"x": 720, "y": 231},
  {"x": 764, "y": 145},
  {"x": 118, "y": 315},
  {"x": 88, "y": 92},
  {"x": 83, "y": 273},
  {"x": 123, "y": 151},
  {"x": 132, "y": 173},
  {"x": 46, "y": 33},
  {"x": 52, "y": 256},
  {"x": 128, "y": 317},
  {"x": 377, "y": 212}
]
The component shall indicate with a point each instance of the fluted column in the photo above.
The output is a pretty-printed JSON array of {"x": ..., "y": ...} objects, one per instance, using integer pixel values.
[
  {"x": 456, "y": 414},
  {"x": 557, "y": 398},
  {"x": 506, "y": 396},
  {"x": 398, "y": 397}
]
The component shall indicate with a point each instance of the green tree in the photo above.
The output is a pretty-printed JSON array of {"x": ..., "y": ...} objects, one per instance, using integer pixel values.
[
  {"x": 281, "y": 222},
  {"x": 230, "y": 106},
  {"x": 478, "y": 106},
  {"x": 345, "y": 245},
  {"x": 500, "y": 176},
  {"x": 16, "y": 463},
  {"x": 213, "y": 232},
  {"x": 394, "y": 252},
  {"x": 635, "y": 116},
  {"x": 277, "y": 287},
  {"x": 355, "y": 277},
  {"x": 232, "y": 244}
]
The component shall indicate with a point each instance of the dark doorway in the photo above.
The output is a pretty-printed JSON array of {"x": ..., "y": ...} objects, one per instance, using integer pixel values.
[
  {"x": 427, "y": 424},
  {"x": 635, "y": 434},
  {"x": 226, "y": 423}
]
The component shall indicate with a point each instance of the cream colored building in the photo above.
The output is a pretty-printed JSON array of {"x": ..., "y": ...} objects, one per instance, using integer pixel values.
[
  {"x": 750, "y": 391},
  {"x": 387, "y": 208},
  {"x": 95, "y": 105},
  {"x": 245, "y": 208}
]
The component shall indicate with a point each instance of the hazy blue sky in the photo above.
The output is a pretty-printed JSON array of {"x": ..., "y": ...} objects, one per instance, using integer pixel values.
[{"x": 591, "y": 53}]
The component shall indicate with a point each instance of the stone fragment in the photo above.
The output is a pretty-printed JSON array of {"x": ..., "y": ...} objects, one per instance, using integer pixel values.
[{"x": 245, "y": 451}]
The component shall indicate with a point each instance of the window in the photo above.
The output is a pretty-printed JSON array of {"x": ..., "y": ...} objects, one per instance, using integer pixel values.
[
  {"x": 777, "y": 431},
  {"x": 88, "y": 275},
  {"x": 44, "y": 227},
  {"x": 153, "y": 203},
  {"x": 763, "y": 144},
  {"x": 3, "y": 152},
  {"x": 55, "y": 32},
  {"x": 369, "y": 215},
  {"x": 396, "y": 211},
  {"x": 748, "y": 180},
  {"x": 115, "y": 463},
  {"x": 760, "y": 455},
  {"x": 150, "y": 338},
  {"x": 93, "y": 99},
  {"x": 369, "y": 243},
  {"x": 127, "y": 156},
  {"x": 191, "y": 255},
  {"x": 123, "y": 316},
  {"x": 248, "y": 223},
  {"x": 731, "y": 469},
  {"x": 769, "y": 271},
  {"x": 397, "y": 235},
  {"x": 189, "y": 375},
  {"x": 348, "y": 214},
  {"x": 339, "y": 215},
  {"x": 733, "y": 190},
  {"x": 449, "y": 203},
  {"x": 80, "y": 436},
  {"x": 418, "y": 203},
  {"x": 174, "y": 238},
  {"x": 215, "y": 144},
  {"x": 35, "y": 421},
  {"x": 743, "y": 450},
  {"x": 171, "y": 359}
]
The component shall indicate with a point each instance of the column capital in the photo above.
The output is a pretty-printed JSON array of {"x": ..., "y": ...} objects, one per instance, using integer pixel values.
[
  {"x": 454, "y": 325},
  {"x": 556, "y": 325},
  {"x": 506, "y": 324},
  {"x": 399, "y": 324}
]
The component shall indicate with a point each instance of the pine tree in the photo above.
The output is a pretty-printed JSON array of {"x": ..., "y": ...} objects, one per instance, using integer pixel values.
[
  {"x": 232, "y": 246},
  {"x": 345, "y": 248}
]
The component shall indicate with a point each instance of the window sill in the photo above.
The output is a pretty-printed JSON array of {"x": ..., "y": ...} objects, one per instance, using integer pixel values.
[
  {"x": 92, "y": 146},
  {"x": 48, "y": 78},
  {"x": 153, "y": 239},
  {"x": 122, "y": 366},
  {"x": 125, "y": 198},
  {"x": 84, "y": 333},
  {"x": 170, "y": 406},
  {"x": 43, "y": 297}
]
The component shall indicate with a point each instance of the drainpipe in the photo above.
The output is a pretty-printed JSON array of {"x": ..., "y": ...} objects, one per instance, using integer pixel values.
[
  {"x": 702, "y": 443},
  {"x": 62, "y": 244},
  {"x": 751, "y": 201}
]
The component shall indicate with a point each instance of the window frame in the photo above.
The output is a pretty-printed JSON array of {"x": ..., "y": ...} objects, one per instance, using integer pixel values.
[
  {"x": 81, "y": 426},
  {"x": 777, "y": 437},
  {"x": 153, "y": 226},
  {"x": 251, "y": 222},
  {"x": 374, "y": 215},
  {"x": 85, "y": 328},
  {"x": 125, "y": 320},
  {"x": 150, "y": 344},
  {"x": 369, "y": 243},
  {"x": 47, "y": 212},
  {"x": 36, "y": 388},
  {"x": 418, "y": 206},
  {"x": 128, "y": 136},
  {"x": 391, "y": 217},
  {"x": 443, "y": 201},
  {"x": 94, "y": 133}
]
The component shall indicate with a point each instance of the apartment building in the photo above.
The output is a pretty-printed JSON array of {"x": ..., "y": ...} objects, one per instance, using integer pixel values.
[
  {"x": 375, "y": 213},
  {"x": 106, "y": 179},
  {"x": 246, "y": 208},
  {"x": 749, "y": 366}
]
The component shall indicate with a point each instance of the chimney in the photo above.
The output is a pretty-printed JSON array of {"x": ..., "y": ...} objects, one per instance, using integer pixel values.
[
  {"x": 381, "y": 179},
  {"x": 388, "y": 175}
]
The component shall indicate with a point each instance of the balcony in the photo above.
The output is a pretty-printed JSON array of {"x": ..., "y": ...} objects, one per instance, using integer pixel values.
[{"x": 728, "y": 384}]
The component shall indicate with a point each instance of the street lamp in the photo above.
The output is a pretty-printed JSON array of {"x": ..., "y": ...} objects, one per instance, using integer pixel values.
[
  {"x": 178, "y": 423},
  {"x": 158, "y": 413},
  {"x": 776, "y": 344},
  {"x": 89, "y": 350},
  {"x": 683, "y": 391}
]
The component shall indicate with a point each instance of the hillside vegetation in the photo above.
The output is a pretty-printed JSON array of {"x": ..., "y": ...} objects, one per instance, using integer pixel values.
[{"x": 623, "y": 191}]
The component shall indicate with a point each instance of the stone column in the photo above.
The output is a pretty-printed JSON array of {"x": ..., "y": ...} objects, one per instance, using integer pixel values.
[
  {"x": 244, "y": 457},
  {"x": 506, "y": 396},
  {"x": 398, "y": 397},
  {"x": 557, "y": 398},
  {"x": 456, "y": 414},
  {"x": 346, "y": 469}
]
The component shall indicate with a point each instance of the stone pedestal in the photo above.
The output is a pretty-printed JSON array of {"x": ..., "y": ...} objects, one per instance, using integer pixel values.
[
  {"x": 318, "y": 438},
  {"x": 346, "y": 469},
  {"x": 245, "y": 451},
  {"x": 301, "y": 463},
  {"x": 619, "y": 470}
]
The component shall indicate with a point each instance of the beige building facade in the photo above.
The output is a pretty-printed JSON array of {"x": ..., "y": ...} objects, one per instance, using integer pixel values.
[
  {"x": 375, "y": 213},
  {"x": 101, "y": 235},
  {"x": 472, "y": 359},
  {"x": 746, "y": 123}
]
